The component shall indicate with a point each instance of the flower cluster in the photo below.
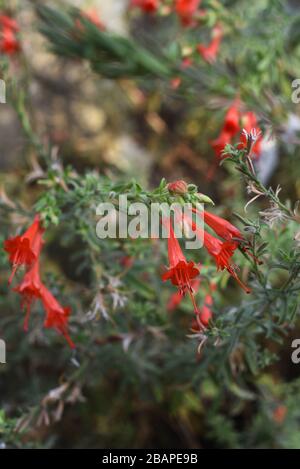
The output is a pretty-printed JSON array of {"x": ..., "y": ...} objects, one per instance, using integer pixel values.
[
  {"x": 189, "y": 15},
  {"x": 185, "y": 274},
  {"x": 237, "y": 123},
  {"x": 9, "y": 43},
  {"x": 188, "y": 12},
  {"x": 25, "y": 250}
]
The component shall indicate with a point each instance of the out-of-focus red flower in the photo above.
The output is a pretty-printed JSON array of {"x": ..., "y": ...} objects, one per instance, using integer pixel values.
[
  {"x": 232, "y": 119},
  {"x": 186, "y": 9},
  {"x": 9, "y": 43},
  {"x": 30, "y": 289},
  {"x": 279, "y": 414},
  {"x": 220, "y": 143},
  {"x": 249, "y": 122},
  {"x": 230, "y": 128},
  {"x": 93, "y": 16},
  {"x": 180, "y": 272},
  {"x": 210, "y": 52},
  {"x": 149, "y": 6},
  {"x": 205, "y": 313},
  {"x": 234, "y": 122},
  {"x": 25, "y": 249},
  {"x": 175, "y": 83},
  {"x": 127, "y": 261},
  {"x": 57, "y": 316},
  {"x": 9, "y": 23},
  {"x": 174, "y": 301},
  {"x": 186, "y": 62},
  {"x": 179, "y": 187}
]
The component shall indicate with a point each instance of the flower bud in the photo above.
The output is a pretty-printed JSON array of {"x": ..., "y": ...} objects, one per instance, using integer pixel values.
[
  {"x": 204, "y": 199},
  {"x": 179, "y": 187}
]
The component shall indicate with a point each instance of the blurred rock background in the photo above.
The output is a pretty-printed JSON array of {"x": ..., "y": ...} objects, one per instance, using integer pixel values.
[{"x": 75, "y": 109}]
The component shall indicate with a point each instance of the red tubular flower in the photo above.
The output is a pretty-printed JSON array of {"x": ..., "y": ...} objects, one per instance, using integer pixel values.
[
  {"x": 234, "y": 123},
  {"x": 180, "y": 272},
  {"x": 9, "y": 43},
  {"x": 221, "y": 251},
  {"x": 220, "y": 143},
  {"x": 186, "y": 9},
  {"x": 9, "y": 23},
  {"x": 221, "y": 227},
  {"x": 30, "y": 289},
  {"x": 206, "y": 314},
  {"x": 232, "y": 119},
  {"x": 148, "y": 6},
  {"x": 230, "y": 128},
  {"x": 57, "y": 316},
  {"x": 25, "y": 249},
  {"x": 210, "y": 52}
]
